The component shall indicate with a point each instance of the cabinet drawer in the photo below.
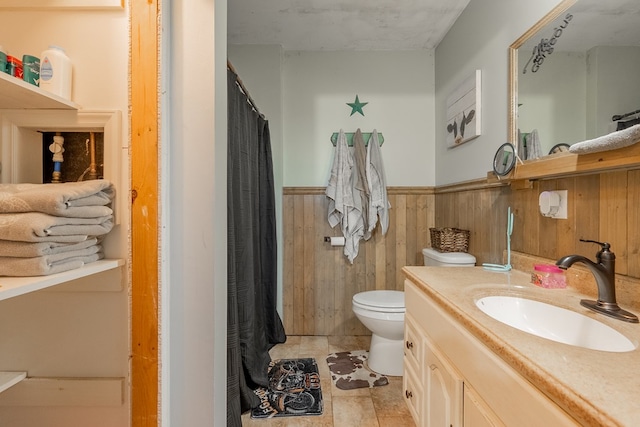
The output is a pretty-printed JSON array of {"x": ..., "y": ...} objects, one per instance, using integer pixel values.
[
  {"x": 413, "y": 348},
  {"x": 413, "y": 393}
]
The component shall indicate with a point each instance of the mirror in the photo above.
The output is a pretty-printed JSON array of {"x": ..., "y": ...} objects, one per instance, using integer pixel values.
[
  {"x": 573, "y": 75},
  {"x": 504, "y": 160}
]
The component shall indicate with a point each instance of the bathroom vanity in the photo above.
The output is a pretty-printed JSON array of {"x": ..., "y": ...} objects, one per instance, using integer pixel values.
[{"x": 464, "y": 368}]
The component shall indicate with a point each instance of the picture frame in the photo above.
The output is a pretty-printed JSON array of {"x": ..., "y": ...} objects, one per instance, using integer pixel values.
[{"x": 463, "y": 111}]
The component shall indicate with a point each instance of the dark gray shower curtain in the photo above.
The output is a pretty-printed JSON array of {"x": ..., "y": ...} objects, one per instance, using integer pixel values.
[{"x": 253, "y": 324}]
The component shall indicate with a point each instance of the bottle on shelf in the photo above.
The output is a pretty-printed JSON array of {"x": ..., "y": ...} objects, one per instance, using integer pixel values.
[
  {"x": 3, "y": 60},
  {"x": 55, "y": 72}
]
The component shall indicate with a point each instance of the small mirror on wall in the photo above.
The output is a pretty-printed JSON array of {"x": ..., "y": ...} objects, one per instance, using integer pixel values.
[{"x": 504, "y": 160}]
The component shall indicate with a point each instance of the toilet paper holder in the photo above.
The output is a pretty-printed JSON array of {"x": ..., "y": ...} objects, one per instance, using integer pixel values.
[{"x": 335, "y": 241}]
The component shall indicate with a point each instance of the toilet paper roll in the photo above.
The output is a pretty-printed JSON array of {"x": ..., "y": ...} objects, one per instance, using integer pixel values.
[{"x": 337, "y": 241}]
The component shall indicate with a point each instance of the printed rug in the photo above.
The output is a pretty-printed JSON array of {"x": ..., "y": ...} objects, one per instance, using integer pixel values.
[
  {"x": 294, "y": 389},
  {"x": 349, "y": 370}
]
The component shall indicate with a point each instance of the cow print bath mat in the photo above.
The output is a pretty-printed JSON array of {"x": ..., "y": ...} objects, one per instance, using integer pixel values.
[
  {"x": 349, "y": 370},
  {"x": 294, "y": 389}
]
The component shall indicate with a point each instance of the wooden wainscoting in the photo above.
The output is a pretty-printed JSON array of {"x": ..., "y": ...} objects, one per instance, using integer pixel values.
[
  {"x": 318, "y": 279},
  {"x": 319, "y": 282},
  {"x": 601, "y": 206},
  {"x": 481, "y": 208}
]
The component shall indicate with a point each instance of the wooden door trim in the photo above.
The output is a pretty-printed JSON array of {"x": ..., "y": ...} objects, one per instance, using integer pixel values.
[{"x": 143, "y": 77}]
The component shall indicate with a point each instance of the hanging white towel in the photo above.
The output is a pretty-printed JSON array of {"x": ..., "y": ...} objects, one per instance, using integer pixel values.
[
  {"x": 338, "y": 181},
  {"x": 378, "y": 203},
  {"x": 345, "y": 202},
  {"x": 361, "y": 186}
]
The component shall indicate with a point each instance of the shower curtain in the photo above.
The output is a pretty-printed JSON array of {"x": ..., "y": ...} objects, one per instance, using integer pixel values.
[{"x": 253, "y": 324}]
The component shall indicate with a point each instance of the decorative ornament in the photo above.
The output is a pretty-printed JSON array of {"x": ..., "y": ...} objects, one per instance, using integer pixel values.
[{"x": 356, "y": 106}]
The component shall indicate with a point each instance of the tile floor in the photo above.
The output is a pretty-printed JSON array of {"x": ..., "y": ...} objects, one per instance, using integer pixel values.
[{"x": 365, "y": 407}]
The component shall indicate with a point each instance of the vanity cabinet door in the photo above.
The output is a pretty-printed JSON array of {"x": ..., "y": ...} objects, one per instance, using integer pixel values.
[
  {"x": 475, "y": 412},
  {"x": 443, "y": 394}
]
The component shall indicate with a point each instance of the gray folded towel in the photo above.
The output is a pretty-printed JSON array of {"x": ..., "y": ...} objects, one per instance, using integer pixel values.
[
  {"x": 13, "y": 249},
  {"x": 533, "y": 145},
  {"x": 39, "y": 227},
  {"x": 49, "y": 264},
  {"x": 618, "y": 139},
  {"x": 84, "y": 199}
]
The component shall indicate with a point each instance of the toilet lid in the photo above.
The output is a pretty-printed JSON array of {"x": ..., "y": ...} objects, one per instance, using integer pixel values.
[
  {"x": 449, "y": 257},
  {"x": 390, "y": 300}
]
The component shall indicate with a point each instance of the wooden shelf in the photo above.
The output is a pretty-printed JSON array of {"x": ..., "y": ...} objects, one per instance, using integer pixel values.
[
  {"x": 563, "y": 164},
  {"x": 20, "y": 95},
  {"x": 8, "y": 379},
  {"x": 14, "y": 286}
]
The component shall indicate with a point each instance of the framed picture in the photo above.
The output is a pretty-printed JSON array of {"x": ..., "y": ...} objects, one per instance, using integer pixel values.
[
  {"x": 463, "y": 111},
  {"x": 61, "y": 4}
]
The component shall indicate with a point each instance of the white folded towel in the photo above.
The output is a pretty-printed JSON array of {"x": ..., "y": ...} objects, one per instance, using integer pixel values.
[
  {"x": 14, "y": 249},
  {"x": 39, "y": 227},
  {"x": 84, "y": 199},
  {"x": 618, "y": 139},
  {"x": 49, "y": 264}
]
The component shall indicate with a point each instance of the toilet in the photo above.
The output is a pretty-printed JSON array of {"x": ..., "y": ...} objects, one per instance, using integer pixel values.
[{"x": 382, "y": 312}]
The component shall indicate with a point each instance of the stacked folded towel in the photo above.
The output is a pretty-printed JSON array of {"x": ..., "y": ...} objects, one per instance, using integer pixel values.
[{"x": 51, "y": 228}]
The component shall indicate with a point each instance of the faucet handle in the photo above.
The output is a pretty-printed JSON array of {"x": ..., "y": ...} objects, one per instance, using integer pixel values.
[
  {"x": 605, "y": 245},
  {"x": 603, "y": 253}
]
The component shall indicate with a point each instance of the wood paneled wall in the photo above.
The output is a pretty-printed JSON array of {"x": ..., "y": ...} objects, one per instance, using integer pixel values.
[
  {"x": 319, "y": 282},
  {"x": 481, "y": 209},
  {"x": 318, "y": 279},
  {"x": 602, "y": 207}
]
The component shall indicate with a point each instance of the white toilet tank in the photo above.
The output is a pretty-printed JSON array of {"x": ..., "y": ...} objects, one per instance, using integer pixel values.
[{"x": 447, "y": 259}]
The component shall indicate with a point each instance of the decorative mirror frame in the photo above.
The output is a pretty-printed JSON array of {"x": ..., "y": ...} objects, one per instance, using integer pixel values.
[{"x": 513, "y": 65}]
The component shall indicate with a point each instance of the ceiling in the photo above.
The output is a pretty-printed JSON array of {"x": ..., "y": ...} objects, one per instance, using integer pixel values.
[{"x": 342, "y": 24}]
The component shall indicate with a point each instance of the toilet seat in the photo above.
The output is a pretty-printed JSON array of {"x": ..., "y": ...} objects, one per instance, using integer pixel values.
[{"x": 381, "y": 301}]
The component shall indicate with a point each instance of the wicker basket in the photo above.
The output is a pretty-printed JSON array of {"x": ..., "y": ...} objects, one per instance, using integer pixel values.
[{"x": 449, "y": 239}]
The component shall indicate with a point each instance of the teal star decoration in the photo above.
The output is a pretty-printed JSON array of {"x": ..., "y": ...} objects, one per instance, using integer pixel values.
[{"x": 356, "y": 106}]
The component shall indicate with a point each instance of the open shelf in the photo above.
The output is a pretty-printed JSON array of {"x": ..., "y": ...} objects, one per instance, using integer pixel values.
[
  {"x": 563, "y": 164},
  {"x": 8, "y": 379},
  {"x": 14, "y": 286},
  {"x": 20, "y": 95}
]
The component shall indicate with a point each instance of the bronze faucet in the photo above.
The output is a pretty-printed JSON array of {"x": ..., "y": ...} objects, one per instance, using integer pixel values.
[{"x": 604, "y": 273}]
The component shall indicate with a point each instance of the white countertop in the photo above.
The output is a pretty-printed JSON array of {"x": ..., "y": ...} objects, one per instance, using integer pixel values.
[{"x": 597, "y": 388}]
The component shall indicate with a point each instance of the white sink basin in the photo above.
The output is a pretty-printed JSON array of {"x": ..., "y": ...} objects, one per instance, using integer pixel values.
[{"x": 554, "y": 323}]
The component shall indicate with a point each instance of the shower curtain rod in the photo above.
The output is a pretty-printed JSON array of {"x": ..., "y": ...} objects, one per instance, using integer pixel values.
[{"x": 244, "y": 89}]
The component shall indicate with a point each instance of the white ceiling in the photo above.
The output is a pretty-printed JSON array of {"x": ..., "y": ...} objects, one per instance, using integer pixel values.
[{"x": 342, "y": 24}]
